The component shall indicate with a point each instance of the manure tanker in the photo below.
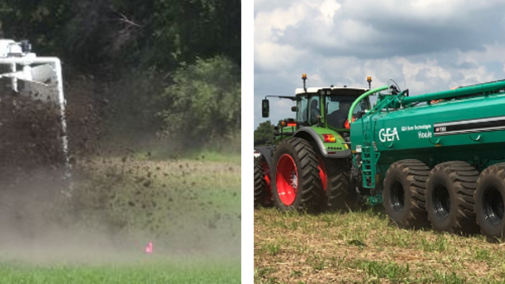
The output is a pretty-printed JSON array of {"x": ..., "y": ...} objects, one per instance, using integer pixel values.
[{"x": 437, "y": 158}]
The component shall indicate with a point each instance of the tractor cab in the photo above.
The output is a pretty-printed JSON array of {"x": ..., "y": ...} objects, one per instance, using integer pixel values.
[
  {"x": 321, "y": 108},
  {"x": 328, "y": 107}
]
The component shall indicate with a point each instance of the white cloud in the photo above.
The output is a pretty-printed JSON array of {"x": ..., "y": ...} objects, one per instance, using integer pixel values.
[
  {"x": 328, "y": 9},
  {"x": 268, "y": 24},
  {"x": 272, "y": 56},
  {"x": 492, "y": 52},
  {"x": 431, "y": 45}
]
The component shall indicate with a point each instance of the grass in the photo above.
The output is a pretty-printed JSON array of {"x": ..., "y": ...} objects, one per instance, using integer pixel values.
[
  {"x": 152, "y": 272},
  {"x": 214, "y": 156},
  {"x": 189, "y": 209},
  {"x": 142, "y": 194},
  {"x": 220, "y": 151},
  {"x": 200, "y": 155},
  {"x": 364, "y": 247}
]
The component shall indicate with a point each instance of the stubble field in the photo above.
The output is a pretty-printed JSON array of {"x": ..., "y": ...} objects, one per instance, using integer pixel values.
[{"x": 364, "y": 247}]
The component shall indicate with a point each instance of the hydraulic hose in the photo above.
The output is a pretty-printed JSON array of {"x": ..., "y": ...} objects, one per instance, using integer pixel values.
[
  {"x": 462, "y": 91},
  {"x": 364, "y": 95}
]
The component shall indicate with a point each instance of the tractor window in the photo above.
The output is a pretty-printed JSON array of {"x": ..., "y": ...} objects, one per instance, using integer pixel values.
[
  {"x": 337, "y": 109},
  {"x": 301, "y": 114},
  {"x": 308, "y": 110},
  {"x": 314, "y": 110}
]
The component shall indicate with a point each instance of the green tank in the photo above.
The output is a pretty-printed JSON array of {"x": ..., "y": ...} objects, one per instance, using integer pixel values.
[{"x": 437, "y": 158}]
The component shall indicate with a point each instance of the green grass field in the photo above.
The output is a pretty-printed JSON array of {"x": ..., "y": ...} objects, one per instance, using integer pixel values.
[
  {"x": 364, "y": 247},
  {"x": 188, "y": 208},
  {"x": 158, "y": 271}
]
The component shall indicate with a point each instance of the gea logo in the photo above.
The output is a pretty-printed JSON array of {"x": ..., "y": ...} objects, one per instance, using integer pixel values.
[{"x": 388, "y": 134}]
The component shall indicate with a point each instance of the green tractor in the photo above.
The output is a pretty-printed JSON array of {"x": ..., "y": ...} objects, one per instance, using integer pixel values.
[{"x": 309, "y": 166}]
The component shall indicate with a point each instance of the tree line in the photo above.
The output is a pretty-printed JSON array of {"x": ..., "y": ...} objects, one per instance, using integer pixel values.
[{"x": 179, "y": 58}]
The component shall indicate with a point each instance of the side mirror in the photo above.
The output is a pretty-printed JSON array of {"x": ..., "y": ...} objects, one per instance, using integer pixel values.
[
  {"x": 294, "y": 108},
  {"x": 265, "y": 108}
]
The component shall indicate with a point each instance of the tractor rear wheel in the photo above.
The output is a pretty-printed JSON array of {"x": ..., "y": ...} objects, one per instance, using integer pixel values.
[
  {"x": 262, "y": 191},
  {"x": 403, "y": 196},
  {"x": 296, "y": 184},
  {"x": 340, "y": 194},
  {"x": 449, "y": 197},
  {"x": 489, "y": 201}
]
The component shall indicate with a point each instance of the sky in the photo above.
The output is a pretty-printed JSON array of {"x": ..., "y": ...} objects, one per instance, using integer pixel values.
[{"x": 425, "y": 45}]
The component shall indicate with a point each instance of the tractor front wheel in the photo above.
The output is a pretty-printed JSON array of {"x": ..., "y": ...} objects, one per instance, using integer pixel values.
[
  {"x": 296, "y": 184},
  {"x": 340, "y": 194}
]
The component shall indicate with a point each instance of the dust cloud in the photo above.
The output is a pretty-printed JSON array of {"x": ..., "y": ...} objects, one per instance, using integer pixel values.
[{"x": 109, "y": 217}]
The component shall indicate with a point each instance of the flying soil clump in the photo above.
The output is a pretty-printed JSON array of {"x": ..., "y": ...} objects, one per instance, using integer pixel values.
[{"x": 30, "y": 139}]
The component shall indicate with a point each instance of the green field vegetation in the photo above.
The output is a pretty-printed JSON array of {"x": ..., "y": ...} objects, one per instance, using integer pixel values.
[
  {"x": 189, "y": 209},
  {"x": 159, "y": 271},
  {"x": 364, "y": 247},
  {"x": 161, "y": 197}
]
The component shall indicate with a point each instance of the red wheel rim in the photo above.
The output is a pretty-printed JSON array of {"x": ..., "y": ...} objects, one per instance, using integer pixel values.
[
  {"x": 287, "y": 179},
  {"x": 322, "y": 174}
]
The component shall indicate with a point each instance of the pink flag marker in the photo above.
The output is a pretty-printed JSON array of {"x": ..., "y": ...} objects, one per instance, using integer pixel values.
[{"x": 149, "y": 247}]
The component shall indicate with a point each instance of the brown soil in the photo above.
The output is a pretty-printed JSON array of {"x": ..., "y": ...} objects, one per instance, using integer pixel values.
[
  {"x": 31, "y": 134},
  {"x": 30, "y": 139},
  {"x": 32, "y": 162}
]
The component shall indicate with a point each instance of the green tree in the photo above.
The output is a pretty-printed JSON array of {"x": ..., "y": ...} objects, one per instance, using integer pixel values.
[
  {"x": 163, "y": 33},
  {"x": 263, "y": 134},
  {"x": 176, "y": 58},
  {"x": 42, "y": 22},
  {"x": 204, "y": 102}
]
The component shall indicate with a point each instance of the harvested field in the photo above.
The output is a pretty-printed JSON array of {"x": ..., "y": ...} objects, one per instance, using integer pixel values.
[{"x": 364, "y": 247}]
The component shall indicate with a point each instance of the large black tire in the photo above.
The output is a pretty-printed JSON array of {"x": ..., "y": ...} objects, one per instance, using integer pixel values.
[
  {"x": 489, "y": 201},
  {"x": 309, "y": 187},
  {"x": 341, "y": 196},
  {"x": 449, "y": 197},
  {"x": 403, "y": 195},
  {"x": 262, "y": 195}
]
